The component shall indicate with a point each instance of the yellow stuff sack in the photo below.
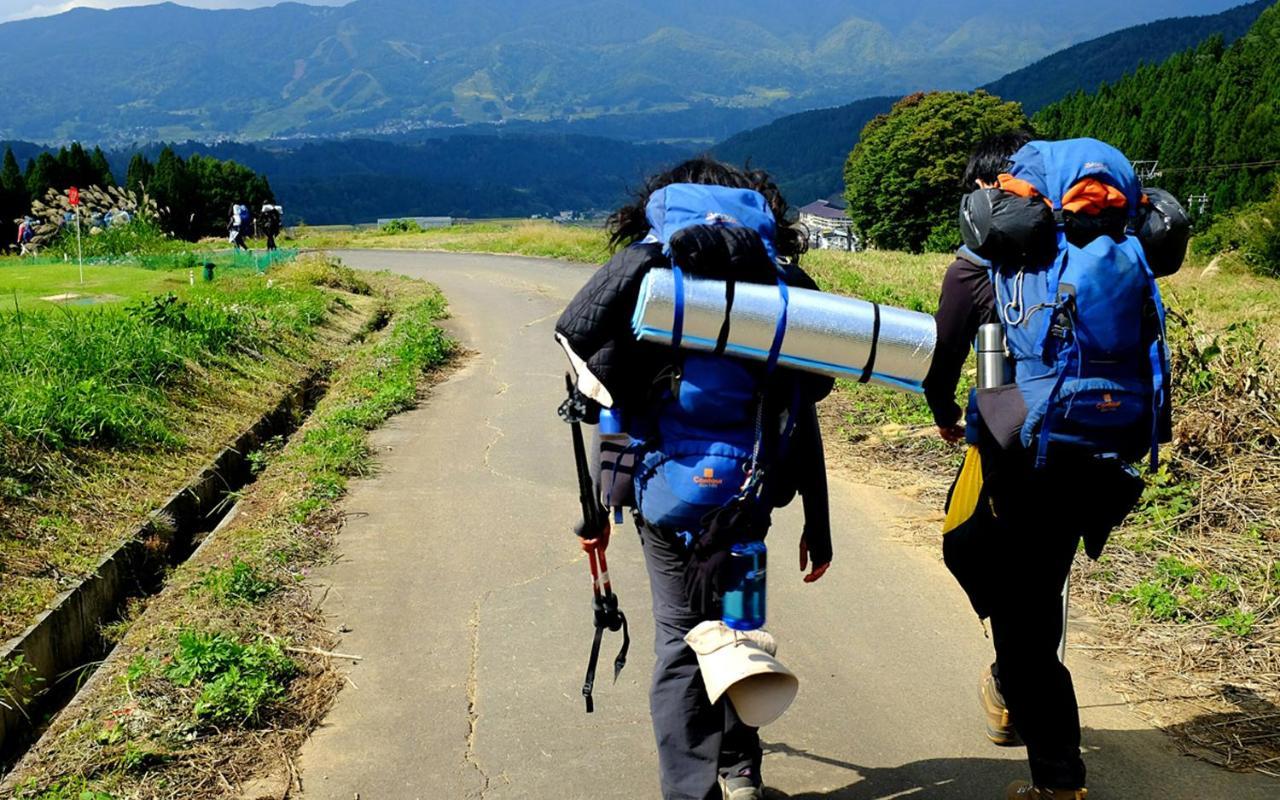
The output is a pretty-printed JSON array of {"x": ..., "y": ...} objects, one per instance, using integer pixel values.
[{"x": 966, "y": 494}]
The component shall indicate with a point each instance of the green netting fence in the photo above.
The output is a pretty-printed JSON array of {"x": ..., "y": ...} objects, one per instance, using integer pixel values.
[{"x": 241, "y": 260}]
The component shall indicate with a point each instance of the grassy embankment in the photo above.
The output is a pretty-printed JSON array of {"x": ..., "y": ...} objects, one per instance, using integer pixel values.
[
  {"x": 1190, "y": 589},
  {"x": 220, "y": 668},
  {"x": 526, "y": 238},
  {"x": 107, "y": 409}
]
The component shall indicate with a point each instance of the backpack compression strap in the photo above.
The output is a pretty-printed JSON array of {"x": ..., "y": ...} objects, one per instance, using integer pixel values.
[
  {"x": 875, "y": 347},
  {"x": 677, "y": 322},
  {"x": 780, "y": 333}
]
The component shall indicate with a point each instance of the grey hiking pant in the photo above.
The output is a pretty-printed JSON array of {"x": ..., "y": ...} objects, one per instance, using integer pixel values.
[{"x": 696, "y": 739}]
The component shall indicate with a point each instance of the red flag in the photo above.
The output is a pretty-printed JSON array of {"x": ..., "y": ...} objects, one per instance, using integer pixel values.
[{"x": 73, "y": 194}]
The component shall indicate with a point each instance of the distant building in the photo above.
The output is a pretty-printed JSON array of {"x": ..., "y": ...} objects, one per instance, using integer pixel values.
[
  {"x": 423, "y": 222},
  {"x": 829, "y": 225}
]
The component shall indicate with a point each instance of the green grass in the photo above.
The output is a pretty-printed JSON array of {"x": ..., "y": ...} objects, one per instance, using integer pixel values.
[
  {"x": 26, "y": 283},
  {"x": 581, "y": 244},
  {"x": 101, "y": 377}
]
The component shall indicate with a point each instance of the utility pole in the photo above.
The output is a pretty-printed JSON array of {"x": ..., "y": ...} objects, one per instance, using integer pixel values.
[
  {"x": 1147, "y": 170},
  {"x": 1198, "y": 202}
]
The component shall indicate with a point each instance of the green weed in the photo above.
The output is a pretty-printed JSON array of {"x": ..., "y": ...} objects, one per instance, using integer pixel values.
[
  {"x": 1165, "y": 499},
  {"x": 1174, "y": 572},
  {"x": 1237, "y": 623},
  {"x": 74, "y": 788},
  {"x": 19, "y": 683},
  {"x": 1154, "y": 601},
  {"x": 239, "y": 582},
  {"x": 237, "y": 682}
]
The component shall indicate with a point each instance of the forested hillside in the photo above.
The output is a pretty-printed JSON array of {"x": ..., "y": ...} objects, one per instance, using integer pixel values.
[
  {"x": 1211, "y": 116},
  {"x": 807, "y": 151},
  {"x": 357, "y": 180},
  {"x": 1088, "y": 65}
]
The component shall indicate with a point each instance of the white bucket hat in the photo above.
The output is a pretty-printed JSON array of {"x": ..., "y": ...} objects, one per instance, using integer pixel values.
[{"x": 742, "y": 664}]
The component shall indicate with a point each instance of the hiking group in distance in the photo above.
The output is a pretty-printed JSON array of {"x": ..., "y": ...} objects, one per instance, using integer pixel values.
[{"x": 680, "y": 354}]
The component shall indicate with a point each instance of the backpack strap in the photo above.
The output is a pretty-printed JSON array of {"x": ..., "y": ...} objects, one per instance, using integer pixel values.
[
  {"x": 780, "y": 332},
  {"x": 730, "y": 291},
  {"x": 870, "y": 366},
  {"x": 677, "y": 323},
  {"x": 1159, "y": 368}
]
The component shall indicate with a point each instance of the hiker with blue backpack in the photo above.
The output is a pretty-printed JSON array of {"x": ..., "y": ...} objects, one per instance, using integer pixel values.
[
  {"x": 1056, "y": 289},
  {"x": 702, "y": 446},
  {"x": 238, "y": 227}
]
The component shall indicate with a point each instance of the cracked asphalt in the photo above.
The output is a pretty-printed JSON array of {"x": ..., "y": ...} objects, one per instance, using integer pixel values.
[{"x": 460, "y": 584}]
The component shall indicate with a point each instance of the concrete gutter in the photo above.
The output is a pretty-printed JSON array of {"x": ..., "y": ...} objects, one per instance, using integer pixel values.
[{"x": 67, "y": 636}]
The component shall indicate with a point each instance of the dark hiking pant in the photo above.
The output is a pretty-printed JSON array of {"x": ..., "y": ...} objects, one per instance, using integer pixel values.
[
  {"x": 1040, "y": 544},
  {"x": 696, "y": 739}
]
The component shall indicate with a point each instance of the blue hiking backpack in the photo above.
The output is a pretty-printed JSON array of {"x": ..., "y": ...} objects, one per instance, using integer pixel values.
[
  {"x": 701, "y": 447},
  {"x": 1086, "y": 331}
]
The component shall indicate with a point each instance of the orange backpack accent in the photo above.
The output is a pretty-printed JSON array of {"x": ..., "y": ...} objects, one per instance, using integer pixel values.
[
  {"x": 1092, "y": 196},
  {"x": 1017, "y": 186}
]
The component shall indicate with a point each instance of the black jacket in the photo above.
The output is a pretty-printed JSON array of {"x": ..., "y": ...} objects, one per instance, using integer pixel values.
[
  {"x": 596, "y": 327},
  {"x": 967, "y": 303}
]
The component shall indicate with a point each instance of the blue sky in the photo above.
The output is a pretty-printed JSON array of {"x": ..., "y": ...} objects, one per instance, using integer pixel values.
[{"x": 18, "y": 9}]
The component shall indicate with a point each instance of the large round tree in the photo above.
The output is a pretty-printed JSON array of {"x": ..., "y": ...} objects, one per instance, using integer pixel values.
[{"x": 902, "y": 181}]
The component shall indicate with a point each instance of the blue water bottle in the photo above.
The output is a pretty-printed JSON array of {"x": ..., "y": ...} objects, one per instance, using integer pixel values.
[{"x": 744, "y": 599}]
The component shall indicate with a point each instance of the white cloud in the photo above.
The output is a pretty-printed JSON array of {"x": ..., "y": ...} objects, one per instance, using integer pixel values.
[{"x": 22, "y": 9}]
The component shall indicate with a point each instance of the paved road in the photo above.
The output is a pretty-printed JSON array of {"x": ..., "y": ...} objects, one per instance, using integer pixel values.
[{"x": 462, "y": 588}]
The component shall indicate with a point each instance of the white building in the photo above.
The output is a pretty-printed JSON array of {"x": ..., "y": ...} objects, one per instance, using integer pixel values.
[{"x": 829, "y": 226}]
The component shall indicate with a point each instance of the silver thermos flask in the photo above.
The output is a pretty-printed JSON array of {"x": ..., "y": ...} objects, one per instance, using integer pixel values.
[{"x": 994, "y": 368}]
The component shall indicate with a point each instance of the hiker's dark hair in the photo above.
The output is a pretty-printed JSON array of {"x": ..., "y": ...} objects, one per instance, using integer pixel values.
[
  {"x": 991, "y": 157},
  {"x": 629, "y": 225}
]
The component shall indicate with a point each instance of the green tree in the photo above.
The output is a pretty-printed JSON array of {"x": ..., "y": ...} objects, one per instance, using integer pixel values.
[
  {"x": 173, "y": 190},
  {"x": 44, "y": 173},
  {"x": 14, "y": 200},
  {"x": 77, "y": 166},
  {"x": 101, "y": 168},
  {"x": 902, "y": 181},
  {"x": 139, "y": 174},
  {"x": 196, "y": 194}
]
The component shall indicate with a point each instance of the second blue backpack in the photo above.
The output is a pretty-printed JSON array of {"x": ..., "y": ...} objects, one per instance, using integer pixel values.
[{"x": 1087, "y": 331}]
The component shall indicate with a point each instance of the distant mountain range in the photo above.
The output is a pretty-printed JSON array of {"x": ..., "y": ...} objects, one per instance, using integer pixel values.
[
  {"x": 806, "y": 152},
  {"x": 392, "y": 66}
]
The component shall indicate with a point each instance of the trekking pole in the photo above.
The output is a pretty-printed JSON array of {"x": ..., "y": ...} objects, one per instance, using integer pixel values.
[
  {"x": 1066, "y": 602},
  {"x": 604, "y": 603}
]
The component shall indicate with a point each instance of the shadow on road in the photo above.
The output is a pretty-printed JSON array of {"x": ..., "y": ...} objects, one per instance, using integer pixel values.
[
  {"x": 952, "y": 778},
  {"x": 1108, "y": 754}
]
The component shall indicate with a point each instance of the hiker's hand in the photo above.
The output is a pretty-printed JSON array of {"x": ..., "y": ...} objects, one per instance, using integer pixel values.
[
  {"x": 952, "y": 434},
  {"x": 818, "y": 569},
  {"x": 598, "y": 544}
]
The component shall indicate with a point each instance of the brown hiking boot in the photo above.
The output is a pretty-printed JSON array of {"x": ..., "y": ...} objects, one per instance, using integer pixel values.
[
  {"x": 999, "y": 729},
  {"x": 1021, "y": 790}
]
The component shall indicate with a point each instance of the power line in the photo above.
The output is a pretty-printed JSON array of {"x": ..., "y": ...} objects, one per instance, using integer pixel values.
[{"x": 1215, "y": 167}]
